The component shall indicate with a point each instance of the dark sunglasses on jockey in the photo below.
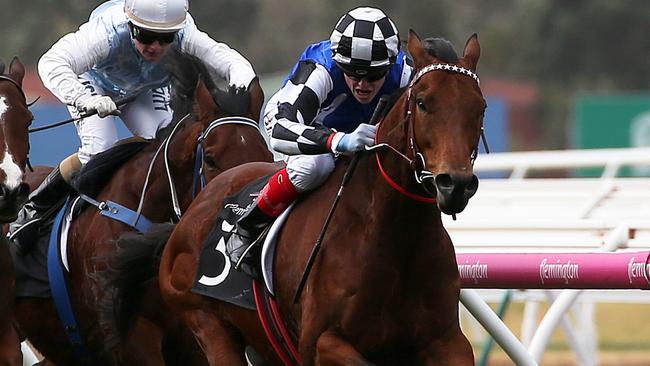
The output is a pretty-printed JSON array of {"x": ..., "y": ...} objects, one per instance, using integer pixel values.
[
  {"x": 370, "y": 74},
  {"x": 148, "y": 37}
]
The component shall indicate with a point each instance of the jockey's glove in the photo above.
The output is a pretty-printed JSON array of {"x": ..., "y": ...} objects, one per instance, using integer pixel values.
[
  {"x": 101, "y": 104},
  {"x": 364, "y": 135}
]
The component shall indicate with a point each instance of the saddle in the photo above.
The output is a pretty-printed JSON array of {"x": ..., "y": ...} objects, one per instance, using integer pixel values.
[{"x": 32, "y": 279}]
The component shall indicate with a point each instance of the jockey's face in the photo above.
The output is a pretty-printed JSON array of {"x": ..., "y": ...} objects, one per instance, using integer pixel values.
[
  {"x": 363, "y": 90},
  {"x": 153, "y": 51}
]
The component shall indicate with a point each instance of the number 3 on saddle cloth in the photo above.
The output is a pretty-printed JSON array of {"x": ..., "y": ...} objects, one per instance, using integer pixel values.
[{"x": 217, "y": 275}]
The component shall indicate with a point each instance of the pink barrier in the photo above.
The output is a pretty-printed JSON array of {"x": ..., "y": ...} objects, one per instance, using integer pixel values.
[{"x": 620, "y": 270}]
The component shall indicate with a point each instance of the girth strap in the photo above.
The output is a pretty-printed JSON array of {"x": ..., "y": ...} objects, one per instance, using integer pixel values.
[
  {"x": 58, "y": 276},
  {"x": 120, "y": 213},
  {"x": 59, "y": 286}
]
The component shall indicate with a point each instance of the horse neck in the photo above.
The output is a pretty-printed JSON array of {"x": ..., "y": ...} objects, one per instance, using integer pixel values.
[
  {"x": 394, "y": 214},
  {"x": 157, "y": 205}
]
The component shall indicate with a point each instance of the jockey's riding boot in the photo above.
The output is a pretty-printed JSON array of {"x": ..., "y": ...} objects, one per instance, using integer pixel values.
[
  {"x": 273, "y": 199},
  {"x": 248, "y": 229},
  {"x": 41, "y": 205}
]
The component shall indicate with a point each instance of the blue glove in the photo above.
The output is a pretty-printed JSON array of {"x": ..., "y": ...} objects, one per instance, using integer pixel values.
[{"x": 364, "y": 135}]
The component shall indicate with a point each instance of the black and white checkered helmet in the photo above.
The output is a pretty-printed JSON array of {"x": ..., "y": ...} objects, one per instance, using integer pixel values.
[{"x": 365, "y": 37}]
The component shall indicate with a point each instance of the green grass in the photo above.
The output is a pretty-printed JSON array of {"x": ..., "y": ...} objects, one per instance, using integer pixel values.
[{"x": 623, "y": 331}]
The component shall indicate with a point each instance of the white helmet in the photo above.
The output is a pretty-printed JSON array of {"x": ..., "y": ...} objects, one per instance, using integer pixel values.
[{"x": 157, "y": 15}]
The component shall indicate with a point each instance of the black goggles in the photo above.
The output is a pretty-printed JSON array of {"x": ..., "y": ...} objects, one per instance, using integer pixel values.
[
  {"x": 148, "y": 37},
  {"x": 369, "y": 74}
]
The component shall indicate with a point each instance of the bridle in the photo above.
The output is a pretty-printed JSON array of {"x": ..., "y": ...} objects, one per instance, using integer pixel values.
[
  {"x": 199, "y": 174},
  {"x": 413, "y": 156}
]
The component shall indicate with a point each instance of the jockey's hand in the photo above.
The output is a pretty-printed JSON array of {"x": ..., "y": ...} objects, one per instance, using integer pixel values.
[
  {"x": 101, "y": 104},
  {"x": 364, "y": 135}
]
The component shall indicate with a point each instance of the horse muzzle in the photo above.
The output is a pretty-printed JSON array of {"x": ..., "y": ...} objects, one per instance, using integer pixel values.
[
  {"x": 11, "y": 199},
  {"x": 453, "y": 190}
]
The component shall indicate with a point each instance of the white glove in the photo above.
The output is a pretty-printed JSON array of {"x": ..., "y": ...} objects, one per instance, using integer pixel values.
[
  {"x": 103, "y": 104},
  {"x": 364, "y": 135}
]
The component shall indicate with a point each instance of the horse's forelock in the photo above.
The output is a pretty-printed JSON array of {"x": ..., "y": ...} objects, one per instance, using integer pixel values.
[{"x": 441, "y": 49}]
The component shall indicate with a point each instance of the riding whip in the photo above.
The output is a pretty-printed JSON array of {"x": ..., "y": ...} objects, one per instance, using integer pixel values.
[
  {"x": 376, "y": 115},
  {"x": 118, "y": 102}
]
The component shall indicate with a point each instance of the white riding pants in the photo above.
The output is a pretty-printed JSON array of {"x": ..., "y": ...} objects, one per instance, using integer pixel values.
[
  {"x": 307, "y": 172},
  {"x": 143, "y": 117}
]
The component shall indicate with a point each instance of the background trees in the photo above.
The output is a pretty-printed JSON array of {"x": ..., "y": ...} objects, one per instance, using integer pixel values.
[{"x": 563, "y": 47}]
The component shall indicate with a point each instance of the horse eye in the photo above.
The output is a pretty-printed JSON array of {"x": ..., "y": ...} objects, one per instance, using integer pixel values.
[
  {"x": 420, "y": 104},
  {"x": 210, "y": 162}
]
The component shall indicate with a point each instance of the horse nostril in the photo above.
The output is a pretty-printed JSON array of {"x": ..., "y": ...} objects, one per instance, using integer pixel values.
[
  {"x": 472, "y": 187},
  {"x": 444, "y": 182},
  {"x": 23, "y": 190}
]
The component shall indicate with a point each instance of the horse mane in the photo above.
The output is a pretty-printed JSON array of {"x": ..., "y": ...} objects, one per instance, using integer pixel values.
[
  {"x": 441, "y": 49},
  {"x": 186, "y": 71}
]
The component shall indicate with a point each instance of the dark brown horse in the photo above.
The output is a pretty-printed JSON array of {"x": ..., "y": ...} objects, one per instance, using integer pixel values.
[
  {"x": 91, "y": 236},
  {"x": 384, "y": 288},
  {"x": 15, "y": 119}
]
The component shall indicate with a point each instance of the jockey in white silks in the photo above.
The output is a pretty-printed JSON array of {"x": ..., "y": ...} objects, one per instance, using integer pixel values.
[{"x": 121, "y": 51}]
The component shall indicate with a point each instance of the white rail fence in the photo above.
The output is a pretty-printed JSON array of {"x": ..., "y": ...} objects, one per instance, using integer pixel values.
[{"x": 522, "y": 214}]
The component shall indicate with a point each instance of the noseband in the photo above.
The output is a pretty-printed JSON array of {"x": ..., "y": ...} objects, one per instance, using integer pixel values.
[{"x": 413, "y": 156}]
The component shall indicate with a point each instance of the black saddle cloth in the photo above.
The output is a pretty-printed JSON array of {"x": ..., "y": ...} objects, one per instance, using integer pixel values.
[{"x": 216, "y": 276}]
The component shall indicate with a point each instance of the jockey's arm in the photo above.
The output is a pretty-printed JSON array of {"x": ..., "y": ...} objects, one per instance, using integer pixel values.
[
  {"x": 74, "y": 54},
  {"x": 290, "y": 112},
  {"x": 219, "y": 57}
]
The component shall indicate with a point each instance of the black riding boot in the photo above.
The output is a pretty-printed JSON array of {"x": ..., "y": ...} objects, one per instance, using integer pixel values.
[
  {"x": 42, "y": 203},
  {"x": 248, "y": 228}
]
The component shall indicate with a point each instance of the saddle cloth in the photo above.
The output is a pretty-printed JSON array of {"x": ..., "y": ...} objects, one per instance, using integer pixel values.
[{"x": 217, "y": 276}]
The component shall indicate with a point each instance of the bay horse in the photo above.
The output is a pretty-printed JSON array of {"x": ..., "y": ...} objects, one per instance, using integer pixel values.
[
  {"x": 91, "y": 235},
  {"x": 384, "y": 288},
  {"x": 15, "y": 119}
]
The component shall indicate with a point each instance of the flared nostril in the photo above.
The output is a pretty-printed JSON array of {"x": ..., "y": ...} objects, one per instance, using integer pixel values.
[{"x": 444, "y": 181}]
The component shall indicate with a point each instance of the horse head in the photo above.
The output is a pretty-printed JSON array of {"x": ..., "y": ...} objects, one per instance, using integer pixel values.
[
  {"x": 15, "y": 119},
  {"x": 444, "y": 109}
]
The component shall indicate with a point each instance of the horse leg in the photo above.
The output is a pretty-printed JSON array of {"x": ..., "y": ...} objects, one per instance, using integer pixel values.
[
  {"x": 332, "y": 350},
  {"x": 219, "y": 341},
  {"x": 10, "y": 354},
  {"x": 451, "y": 350}
]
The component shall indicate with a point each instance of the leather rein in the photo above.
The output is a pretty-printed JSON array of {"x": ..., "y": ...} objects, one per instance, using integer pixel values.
[{"x": 413, "y": 156}]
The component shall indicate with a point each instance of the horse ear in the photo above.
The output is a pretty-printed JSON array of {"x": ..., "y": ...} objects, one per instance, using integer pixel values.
[
  {"x": 472, "y": 52},
  {"x": 2, "y": 67},
  {"x": 203, "y": 97},
  {"x": 17, "y": 70},
  {"x": 416, "y": 49}
]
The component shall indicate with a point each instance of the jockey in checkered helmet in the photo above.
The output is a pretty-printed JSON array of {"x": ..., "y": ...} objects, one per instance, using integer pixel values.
[
  {"x": 365, "y": 43},
  {"x": 323, "y": 109}
]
